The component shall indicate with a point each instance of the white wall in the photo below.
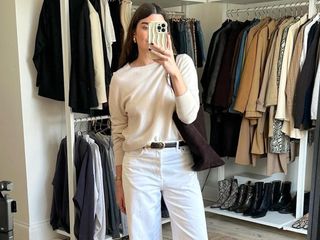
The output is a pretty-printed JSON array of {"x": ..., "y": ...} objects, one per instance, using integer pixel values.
[
  {"x": 12, "y": 158},
  {"x": 33, "y": 126}
]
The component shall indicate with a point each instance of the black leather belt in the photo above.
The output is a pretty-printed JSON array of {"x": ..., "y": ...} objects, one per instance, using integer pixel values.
[{"x": 160, "y": 145}]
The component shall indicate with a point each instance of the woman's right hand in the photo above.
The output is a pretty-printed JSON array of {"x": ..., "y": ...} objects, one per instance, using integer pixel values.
[{"x": 120, "y": 196}]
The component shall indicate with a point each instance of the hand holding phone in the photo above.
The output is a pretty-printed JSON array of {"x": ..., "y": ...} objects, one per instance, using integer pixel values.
[{"x": 157, "y": 34}]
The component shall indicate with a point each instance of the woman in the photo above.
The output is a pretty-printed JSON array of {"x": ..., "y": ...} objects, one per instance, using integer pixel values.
[{"x": 151, "y": 156}]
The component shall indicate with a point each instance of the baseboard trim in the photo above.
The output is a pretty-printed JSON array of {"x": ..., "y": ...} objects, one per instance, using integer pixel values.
[{"x": 36, "y": 231}]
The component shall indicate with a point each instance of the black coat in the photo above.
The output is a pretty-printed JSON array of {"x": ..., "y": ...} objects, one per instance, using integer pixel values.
[{"x": 47, "y": 56}]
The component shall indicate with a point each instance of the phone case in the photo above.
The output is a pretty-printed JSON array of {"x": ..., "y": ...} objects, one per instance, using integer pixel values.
[{"x": 157, "y": 33}]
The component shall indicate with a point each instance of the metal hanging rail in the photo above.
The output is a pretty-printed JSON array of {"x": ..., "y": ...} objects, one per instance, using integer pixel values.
[
  {"x": 88, "y": 119},
  {"x": 268, "y": 7}
]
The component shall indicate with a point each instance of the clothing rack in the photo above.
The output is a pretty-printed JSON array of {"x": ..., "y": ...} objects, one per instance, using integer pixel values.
[
  {"x": 300, "y": 166},
  {"x": 268, "y": 7},
  {"x": 89, "y": 119},
  {"x": 169, "y": 13}
]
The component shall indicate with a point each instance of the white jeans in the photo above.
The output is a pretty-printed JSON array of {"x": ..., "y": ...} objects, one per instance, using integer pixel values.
[{"x": 145, "y": 173}]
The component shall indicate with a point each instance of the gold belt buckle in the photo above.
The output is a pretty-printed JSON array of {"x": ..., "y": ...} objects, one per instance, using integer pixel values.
[{"x": 157, "y": 145}]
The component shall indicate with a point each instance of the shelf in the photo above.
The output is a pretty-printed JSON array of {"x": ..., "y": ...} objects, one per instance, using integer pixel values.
[
  {"x": 272, "y": 219},
  {"x": 169, "y": 3},
  {"x": 291, "y": 229},
  {"x": 242, "y": 1}
]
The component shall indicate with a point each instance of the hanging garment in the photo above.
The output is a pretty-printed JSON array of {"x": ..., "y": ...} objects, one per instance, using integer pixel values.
[
  {"x": 201, "y": 57},
  {"x": 108, "y": 165},
  {"x": 47, "y": 56},
  {"x": 117, "y": 46},
  {"x": 288, "y": 126},
  {"x": 303, "y": 92},
  {"x": 84, "y": 194},
  {"x": 108, "y": 28},
  {"x": 125, "y": 16},
  {"x": 99, "y": 200},
  {"x": 221, "y": 98},
  {"x": 210, "y": 61},
  {"x": 82, "y": 93},
  {"x": 315, "y": 93},
  {"x": 98, "y": 58},
  {"x": 59, "y": 217},
  {"x": 239, "y": 62},
  {"x": 248, "y": 70},
  {"x": 216, "y": 64}
]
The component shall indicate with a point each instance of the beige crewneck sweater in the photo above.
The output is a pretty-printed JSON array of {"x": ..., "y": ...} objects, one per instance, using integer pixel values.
[{"x": 142, "y": 102}]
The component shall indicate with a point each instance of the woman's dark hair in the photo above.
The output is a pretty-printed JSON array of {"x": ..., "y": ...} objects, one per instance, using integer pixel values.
[{"x": 130, "y": 49}]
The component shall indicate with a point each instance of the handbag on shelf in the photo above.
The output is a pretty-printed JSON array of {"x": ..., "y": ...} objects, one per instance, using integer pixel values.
[{"x": 194, "y": 134}]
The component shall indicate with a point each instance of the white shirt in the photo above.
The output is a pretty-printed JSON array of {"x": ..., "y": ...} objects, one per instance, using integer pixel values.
[
  {"x": 108, "y": 29},
  {"x": 141, "y": 103},
  {"x": 97, "y": 53}
]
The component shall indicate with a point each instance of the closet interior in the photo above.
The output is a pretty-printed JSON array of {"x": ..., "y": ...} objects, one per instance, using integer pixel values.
[
  {"x": 298, "y": 170},
  {"x": 297, "y": 177}
]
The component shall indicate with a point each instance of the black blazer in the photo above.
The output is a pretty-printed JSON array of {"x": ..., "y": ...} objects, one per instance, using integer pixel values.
[
  {"x": 305, "y": 82},
  {"x": 47, "y": 56}
]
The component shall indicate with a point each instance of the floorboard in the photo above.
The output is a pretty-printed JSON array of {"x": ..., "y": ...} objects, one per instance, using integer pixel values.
[{"x": 225, "y": 228}]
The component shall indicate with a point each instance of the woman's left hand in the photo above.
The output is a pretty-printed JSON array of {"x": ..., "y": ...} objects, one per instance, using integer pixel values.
[{"x": 165, "y": 57}]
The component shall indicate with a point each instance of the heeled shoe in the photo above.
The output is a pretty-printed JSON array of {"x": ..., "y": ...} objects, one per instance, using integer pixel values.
[
  {"x": 266, "y": 202},
  {"x": 243, "y": 190},
  {"x": 275, "y": 191},
  {"x": 224, "y": 192},
  {"x": 302, "y": 222},
  {"x": 285, "y": 197},
  {"x": 290, "y": 207},
  {"x": 233, "y": 195},
  {"x": 248, "y": 201},
  {"x": 257, "y": 200}
]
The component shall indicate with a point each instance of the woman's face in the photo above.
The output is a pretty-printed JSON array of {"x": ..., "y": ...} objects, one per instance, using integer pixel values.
[{"x": 141, "y": 33}]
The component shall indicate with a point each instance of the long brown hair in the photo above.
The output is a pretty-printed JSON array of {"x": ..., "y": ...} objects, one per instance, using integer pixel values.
[{"x": 130, "y": 49}]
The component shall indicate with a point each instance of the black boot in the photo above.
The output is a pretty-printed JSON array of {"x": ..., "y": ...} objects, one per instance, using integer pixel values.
[
  {"x": 257, "y": 199},
  {"x": 233, "y": 196},
  {"x": 290, "y": 207},
  {"x": 285, "y": 197},
  {"x": 243, "y": 190},
  {"x": 276, "y": 192},
  {"x": 266, "y": 202},
  {"x": 224, "y": 192},
  {"x": 249, "y": 199}
]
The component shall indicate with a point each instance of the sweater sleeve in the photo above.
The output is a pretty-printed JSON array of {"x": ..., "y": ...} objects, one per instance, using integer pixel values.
[
  {"x": 119, "y": 119},
  {"x": 187, "y": 105}
]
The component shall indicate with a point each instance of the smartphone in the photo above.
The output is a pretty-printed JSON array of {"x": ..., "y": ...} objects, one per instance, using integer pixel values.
[{"x": 157, "y": 33}]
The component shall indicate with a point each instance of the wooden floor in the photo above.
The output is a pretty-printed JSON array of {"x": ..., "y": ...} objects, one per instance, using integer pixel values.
[{"x": 225, "y": 228}]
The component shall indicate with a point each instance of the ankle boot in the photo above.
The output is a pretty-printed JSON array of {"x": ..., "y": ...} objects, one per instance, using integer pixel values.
[
  {"x": 285, "y": 197},
  {"x": 266, "y": 202},
  {"x": 233, "y": 195},
  {"x": 224, "y": 192},
  {"x": 243, "y": 190},
  {"x": 247, "y": 203},
  {"x": 290, "y": 207},
  {"x": 275, "y": 192},
  {"x": 257, "y": 199}
]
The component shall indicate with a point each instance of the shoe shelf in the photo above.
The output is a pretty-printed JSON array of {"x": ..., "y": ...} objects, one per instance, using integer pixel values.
[
  {"x": 289, "y": 227},
  {"x": 296, "y": 230},
  {"x": 272, "y": 219}
]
